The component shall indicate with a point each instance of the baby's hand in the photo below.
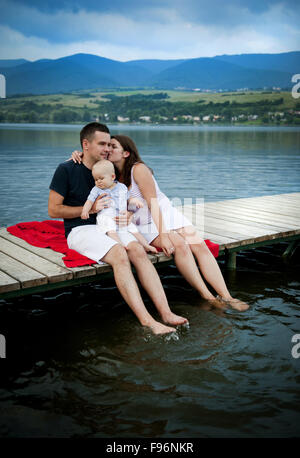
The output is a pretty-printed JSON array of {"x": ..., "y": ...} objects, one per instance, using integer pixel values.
[
  {"x": 135, "y": 201},
  {"x": 85, "y": 215}
]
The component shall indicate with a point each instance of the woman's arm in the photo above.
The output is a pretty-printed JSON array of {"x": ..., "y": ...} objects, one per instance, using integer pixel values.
[{"x": 144, "y": 179}]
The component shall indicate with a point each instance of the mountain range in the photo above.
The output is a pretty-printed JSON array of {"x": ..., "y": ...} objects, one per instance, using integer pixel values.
[{"x": 87, "y": 71}]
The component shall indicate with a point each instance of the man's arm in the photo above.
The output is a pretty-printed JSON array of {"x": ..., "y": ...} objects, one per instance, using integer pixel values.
[{"x": 57, "y": 209}]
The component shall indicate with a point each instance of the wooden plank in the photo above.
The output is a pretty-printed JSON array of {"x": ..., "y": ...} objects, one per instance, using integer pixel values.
[
  {"x": 8, "y": 283},
  {"x": 50, "y": 255},
  {"x": 245, "y": 220},
  {"x": 231, "y": 227},
  {"x": 292, "y": 202},
  {"x": 293, "y": 197},
  {"x": 275, "y": 207},
  {"x": 234, "y": 210},
  {"x": 218, "y": 238},
  {"x": 25, "y": 275},
  {"x": 52, "y": 271},
  {"x": 250, "y": 219}
]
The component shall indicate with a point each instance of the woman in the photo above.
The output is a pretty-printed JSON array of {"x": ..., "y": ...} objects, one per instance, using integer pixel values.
[{"x": 164, "y": 227}]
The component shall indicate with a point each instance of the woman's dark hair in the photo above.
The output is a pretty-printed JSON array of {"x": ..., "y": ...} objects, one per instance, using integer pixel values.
[{"x": 134, "y": 158}]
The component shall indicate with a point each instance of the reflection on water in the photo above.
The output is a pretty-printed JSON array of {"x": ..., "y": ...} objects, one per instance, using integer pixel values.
[{"x": 79, "y": 364}]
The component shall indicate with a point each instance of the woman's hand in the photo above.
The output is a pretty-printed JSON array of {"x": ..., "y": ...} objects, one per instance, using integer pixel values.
[
  {"x": 166, "y": 245},
  {"x": 101, "y": 202},
  {"x": 124, "y": 218},
  {"x": 77, "y": 156},
  {"x": 135, "y": 202}
]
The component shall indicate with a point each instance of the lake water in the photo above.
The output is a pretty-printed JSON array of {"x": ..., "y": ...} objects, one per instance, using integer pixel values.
[{"x": 78, "y": 363}]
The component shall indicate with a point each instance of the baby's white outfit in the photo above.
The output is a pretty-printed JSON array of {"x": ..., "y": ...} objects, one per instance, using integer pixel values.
[{"x": 118, "y": 203}]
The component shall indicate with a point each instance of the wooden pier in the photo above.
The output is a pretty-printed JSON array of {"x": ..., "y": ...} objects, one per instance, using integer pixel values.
[{"x": 235, "y": 225}]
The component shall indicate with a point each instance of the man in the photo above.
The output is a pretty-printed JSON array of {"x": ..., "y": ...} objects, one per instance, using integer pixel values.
[{"x": 69, "y": 188}]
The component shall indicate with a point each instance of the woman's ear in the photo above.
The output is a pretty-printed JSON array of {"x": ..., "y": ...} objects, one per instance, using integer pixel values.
[{"x": 126, "y": 153}]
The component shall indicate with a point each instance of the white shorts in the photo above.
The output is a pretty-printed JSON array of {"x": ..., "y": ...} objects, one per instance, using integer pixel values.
[
  {"x": 106, "y": 223},
  {"x": 173, "y": 219},
  {"x": 89, "y": 241}
]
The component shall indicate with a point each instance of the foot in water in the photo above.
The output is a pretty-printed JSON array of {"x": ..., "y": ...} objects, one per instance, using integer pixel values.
[
  {"x": 234, "y": 303},
  {"x": 174, "y": 320},
  {"x": 159, "y": 328}
]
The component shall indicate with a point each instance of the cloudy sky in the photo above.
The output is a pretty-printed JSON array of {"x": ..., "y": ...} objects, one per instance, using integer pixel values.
[{"x": 146, "y": 29}]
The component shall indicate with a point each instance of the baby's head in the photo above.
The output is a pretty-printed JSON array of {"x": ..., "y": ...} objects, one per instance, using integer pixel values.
[{"x": 104, "y": 174}]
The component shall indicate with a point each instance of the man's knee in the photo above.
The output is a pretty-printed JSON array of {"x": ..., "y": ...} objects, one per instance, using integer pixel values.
[
  {"x": 136, "y": 251},
  {"x": 116, "y": 255}
]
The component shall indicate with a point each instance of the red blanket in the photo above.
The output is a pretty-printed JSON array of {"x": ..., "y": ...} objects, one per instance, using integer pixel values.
[{"x": 51, "y": 234}]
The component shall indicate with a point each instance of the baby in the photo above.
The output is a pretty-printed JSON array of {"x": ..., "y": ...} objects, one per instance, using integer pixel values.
[{"x": 104, "y": 175}]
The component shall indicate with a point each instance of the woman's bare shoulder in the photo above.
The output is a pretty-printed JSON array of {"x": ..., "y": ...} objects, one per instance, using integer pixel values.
[{"x": 141, "y": 169}]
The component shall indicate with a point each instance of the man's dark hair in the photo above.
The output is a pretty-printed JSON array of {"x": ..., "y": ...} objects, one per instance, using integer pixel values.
[{"x": 89, "y": 130}]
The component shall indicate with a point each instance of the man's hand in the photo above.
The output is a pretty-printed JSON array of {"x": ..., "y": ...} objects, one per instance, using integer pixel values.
[
  {"x": 101, "y": 202},
  {"x": 124, "y": 218}
]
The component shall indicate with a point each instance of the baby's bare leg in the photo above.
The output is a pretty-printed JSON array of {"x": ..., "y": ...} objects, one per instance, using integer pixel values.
[{"x": 144, "y": 242}]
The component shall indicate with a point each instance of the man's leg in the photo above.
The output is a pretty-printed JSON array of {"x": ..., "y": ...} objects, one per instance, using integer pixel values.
[
  {"x": 150, "y": 281},
  {"x": 125, "y": 281},
  {"x": 91, "y": 242}
]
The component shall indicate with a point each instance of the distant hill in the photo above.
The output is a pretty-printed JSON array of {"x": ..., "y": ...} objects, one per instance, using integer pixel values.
[
  {"x": 4, "y": 63},
  {"x": 87, "y": 71},
  {"x": 209, "y": 73},
  {"x": 156, "y": 66},
  {"x": 284, "y": 62}
]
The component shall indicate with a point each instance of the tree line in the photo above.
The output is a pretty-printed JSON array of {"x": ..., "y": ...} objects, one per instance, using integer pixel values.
[{"x": 132, "y": 108}]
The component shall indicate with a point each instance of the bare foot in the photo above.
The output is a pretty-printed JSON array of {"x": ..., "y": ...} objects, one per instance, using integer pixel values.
[
  {"x": 159, "y": 328},
  {"x": 174, "y": 320},
  {"x": 218, "y": 303},
  {"x": 236, "y": 304}
]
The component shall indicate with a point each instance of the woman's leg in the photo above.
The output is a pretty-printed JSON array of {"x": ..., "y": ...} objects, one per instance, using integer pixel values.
[
  {"x": 125, "y": 281},
  {"x": 150, "y": 281},
  {"x": 186, "y": 264},
  {"x": 209, "y": 266}
]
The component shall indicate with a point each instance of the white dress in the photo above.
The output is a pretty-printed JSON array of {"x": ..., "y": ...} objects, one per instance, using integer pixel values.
[{"x": 172, "y": 218}]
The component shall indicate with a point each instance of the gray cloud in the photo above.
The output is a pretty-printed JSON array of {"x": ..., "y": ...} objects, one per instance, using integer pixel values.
[{"x": 137, "y": 29}]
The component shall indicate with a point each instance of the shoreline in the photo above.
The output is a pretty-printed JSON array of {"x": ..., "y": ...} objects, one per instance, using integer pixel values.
[{"x": 149, "y": 125}]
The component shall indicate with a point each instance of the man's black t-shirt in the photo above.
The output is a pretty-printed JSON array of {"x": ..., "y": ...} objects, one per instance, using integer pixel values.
[{"x": 74, "y": 182}]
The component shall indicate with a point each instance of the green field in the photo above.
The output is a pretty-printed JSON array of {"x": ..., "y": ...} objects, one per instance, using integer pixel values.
[
  {"x": 87, "y": 105},
  {"x": 79, "y": 100}
]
